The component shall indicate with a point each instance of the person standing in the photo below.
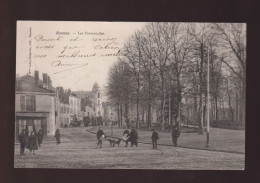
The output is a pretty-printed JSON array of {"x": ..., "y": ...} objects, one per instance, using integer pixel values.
[
  {"x": 57, "y": 136},
  {"x": 126, "y": 136},
  {"x": 155, "y": 137},
  {"x": 133, "y": 136},
  {"x": 22, "y": 140},
  {"x": 175, "y": 135},
  {"x": 100, "y": 133},
  {"x": 32, "y": 143},
  {"x": 39, "y": 136}
]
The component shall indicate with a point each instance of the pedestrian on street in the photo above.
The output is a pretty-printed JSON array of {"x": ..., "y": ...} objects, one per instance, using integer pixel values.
[
  {"x": 57, "y": 136},
  {"x": 22, "y": 140},
  {"x": 26, "y": 137},
  {"x": 175, "y": 135},
  {"x": 100, "y": 133},
  {"x": 155, "y": 137},
  {"x": 32, "y": 143},
  {"x": 39, "y": 136},
  {"x": 133, "y": 136},
  {"x": 126, "y": 136}
]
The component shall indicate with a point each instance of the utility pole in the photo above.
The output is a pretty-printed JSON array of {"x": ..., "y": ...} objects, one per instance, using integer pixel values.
[
  {"x": 169, "y": 118},
  {"x": 207, "y": 143}
]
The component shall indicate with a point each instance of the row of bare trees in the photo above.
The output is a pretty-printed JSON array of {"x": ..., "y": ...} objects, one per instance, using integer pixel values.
[{"x": 164, "y": 71}]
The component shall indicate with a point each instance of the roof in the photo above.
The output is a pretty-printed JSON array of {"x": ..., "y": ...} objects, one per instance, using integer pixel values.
[
  {"x": 83, "y": 94},
  {"x": 29, "y": 86},
  {"x": 64, "y": 98},
  {"x": 30, "y": 79}
]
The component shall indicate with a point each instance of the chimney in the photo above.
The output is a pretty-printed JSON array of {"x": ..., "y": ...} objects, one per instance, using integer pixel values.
[
  {"x": 69, "y": 91},
  {"x": 45, "y": 80},
  {"x": 49, "y": 83},
  {"x": 36, "y": 77}
]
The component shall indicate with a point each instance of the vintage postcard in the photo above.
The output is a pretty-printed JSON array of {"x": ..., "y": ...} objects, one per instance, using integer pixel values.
[{"x": 130, "y": 95}]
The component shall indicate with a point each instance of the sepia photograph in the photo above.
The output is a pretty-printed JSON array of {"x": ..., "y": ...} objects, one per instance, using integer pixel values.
[{"x": 130, "y": 95}]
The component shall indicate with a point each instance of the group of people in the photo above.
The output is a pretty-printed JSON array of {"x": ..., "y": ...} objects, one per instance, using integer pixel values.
[
  {"x": 130, "y": 137},
  {"x": 133, "y": 136},
  {"x": 175, "y": 136},
  {"x": 31, "y": 141}
]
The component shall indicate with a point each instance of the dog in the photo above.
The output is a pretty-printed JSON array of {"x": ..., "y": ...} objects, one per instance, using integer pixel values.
[
  {"x": 118, "y": 142},
  {"x": 113, "y": 142}
]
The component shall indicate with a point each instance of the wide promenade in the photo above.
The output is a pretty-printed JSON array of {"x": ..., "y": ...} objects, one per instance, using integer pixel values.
[{"x": 79, "y": 150}]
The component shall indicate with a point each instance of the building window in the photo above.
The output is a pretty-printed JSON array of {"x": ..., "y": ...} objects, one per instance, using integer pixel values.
[
  {"x": 98, "y": 95},
  {"x": 27, "y": 103},
  {"x": 98, "y": 102}
]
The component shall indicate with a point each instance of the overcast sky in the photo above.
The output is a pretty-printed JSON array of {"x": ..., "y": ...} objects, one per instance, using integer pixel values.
[{"x": 42, "y": 51}]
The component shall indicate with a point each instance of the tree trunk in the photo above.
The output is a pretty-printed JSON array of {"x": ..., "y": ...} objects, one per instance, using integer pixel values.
[
  {"x": 121, "y": 115},
  {"x": 179, "y": 98},
  {"x": 163, "y": 101},
  {"x": 137, "y": 107},
  {"x": 216, "y": 109},
  {"x": 243, "y": 103},
  {"x": 118, "y": 113},
  {"x": 236, "y": 117},
  {"x": 169, "y": 115},
  {"x": 149, "y": 122}
]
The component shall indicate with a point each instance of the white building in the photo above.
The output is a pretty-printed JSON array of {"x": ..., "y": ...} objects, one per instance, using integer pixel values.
[{"x": 34, "y": 106}]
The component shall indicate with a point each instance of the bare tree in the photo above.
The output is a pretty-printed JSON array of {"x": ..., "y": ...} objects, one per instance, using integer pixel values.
[{"x": 233, "y": 43}]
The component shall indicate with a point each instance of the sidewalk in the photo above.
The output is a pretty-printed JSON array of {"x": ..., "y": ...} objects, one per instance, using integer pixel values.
[{"x": 50, "y": 140}]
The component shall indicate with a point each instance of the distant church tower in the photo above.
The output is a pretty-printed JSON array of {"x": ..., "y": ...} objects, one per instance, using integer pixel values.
[{"x": 97, "y": 99}]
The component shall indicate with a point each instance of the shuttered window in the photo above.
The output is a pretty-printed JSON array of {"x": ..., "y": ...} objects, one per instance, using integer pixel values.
[
  {"x": 28, "y": 103},
  {"x": 22, "y": 102}
]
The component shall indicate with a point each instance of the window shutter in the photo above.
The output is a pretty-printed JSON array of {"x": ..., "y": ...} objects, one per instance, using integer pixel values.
[
  {"x": 32, "y": 103},
  {"x": 27, "y": 103},
  {"x": 22, "y": 102}
]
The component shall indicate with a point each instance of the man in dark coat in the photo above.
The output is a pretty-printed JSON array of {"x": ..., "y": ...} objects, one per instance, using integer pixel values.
[
  {"x": 155, "y": 137},
  {"x": 32, "y": 143},
  {"x": 133, "y": 136},
  {"x": 57, "y": 136},
  {"x": 22, "y": 140},
  {"x": 39, "y": 136},
  {"x": 126, "y": 135},
  {"x": 175, "y": 135},
  {"x": 100, "y": 133}
]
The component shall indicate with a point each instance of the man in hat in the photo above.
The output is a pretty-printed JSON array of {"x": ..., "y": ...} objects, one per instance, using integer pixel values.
[
  {"x": 39, "y": 136},
  {"x": 22, "y": 140},
  {"x": 100, "y": 133},
  {"x": 175, "y": 135},
  {"x": 57, "y": 136},
  {"x": 133, "y": 136},
  {"x": 155, "y": 137}
]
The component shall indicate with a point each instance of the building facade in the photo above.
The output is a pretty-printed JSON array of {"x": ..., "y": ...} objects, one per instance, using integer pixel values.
[
  {"x": 34, "y": 105},
  {"x": 93, "y": 101},
  {"x": 75, "y": 105}
]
